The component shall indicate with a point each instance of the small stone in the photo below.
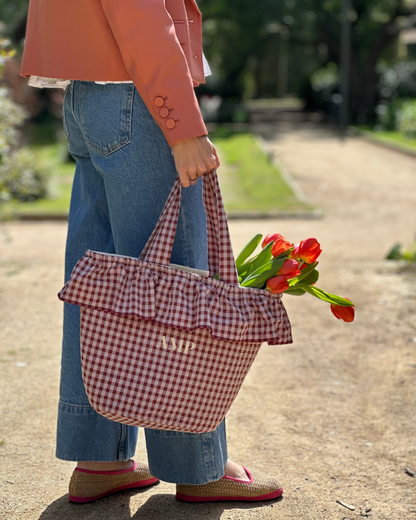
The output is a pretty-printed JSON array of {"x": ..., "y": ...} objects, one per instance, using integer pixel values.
[
  {"x": 410, "y": 472},
  {"x": 22, "y": 364},
  {"x": 343, "y": 504},
  {"x": 369, "y": 444}
]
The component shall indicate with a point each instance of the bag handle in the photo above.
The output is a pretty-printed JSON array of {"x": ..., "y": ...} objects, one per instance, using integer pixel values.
[{"x": 220, "y": 254}]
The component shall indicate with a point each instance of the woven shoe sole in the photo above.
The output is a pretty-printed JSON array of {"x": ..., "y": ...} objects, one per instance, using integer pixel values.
[
  {"x": 269, "y": 496},
  {"x": 258, "y": 488},
  {"x": 87, "y": 486}
]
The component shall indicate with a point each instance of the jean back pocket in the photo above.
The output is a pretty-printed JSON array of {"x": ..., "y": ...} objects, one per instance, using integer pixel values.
[{"x": 106, "y": 114}]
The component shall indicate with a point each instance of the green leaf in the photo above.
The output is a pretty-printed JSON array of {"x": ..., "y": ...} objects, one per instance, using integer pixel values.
[
  {"x": 328, "y": 297},
  {"x": 248, "y": 250},
  {"x": 245, "y": 269},
  {"x": 263, "y": 257},
  {"x": 305, "y": 272},
  {"x": 395, "y": 253},
  {"x": 295, "y": 292},
  {"x": 259, "y": 277},
  {"x": 310, "y": 279}
]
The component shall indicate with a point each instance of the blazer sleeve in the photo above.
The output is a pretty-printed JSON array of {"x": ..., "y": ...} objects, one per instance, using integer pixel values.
[{"x": 153, "y": 56}]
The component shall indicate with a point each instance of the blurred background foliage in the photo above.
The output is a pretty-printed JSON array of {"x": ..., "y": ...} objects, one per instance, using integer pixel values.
[
  {"x": 292, "y": 47},
  {"x": 273, "y": 53}
]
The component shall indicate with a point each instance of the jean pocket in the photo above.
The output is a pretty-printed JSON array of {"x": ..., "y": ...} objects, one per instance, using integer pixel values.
[{"x": 105, "y": 114}]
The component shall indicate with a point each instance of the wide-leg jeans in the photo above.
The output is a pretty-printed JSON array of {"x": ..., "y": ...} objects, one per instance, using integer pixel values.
[{"x": 123, "y": 176}]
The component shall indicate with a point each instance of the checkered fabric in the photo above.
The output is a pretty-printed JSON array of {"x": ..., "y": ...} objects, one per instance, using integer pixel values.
[
  {"x": 168, "y": 349},
  {"x": 145, "y": 374}
]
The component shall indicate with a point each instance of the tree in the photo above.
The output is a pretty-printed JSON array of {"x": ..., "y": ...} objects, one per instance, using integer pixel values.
[{"x": 246, "y": 40}]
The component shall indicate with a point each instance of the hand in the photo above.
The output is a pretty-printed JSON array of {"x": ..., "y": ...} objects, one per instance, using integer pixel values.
[{"x": 194, "y": 157}]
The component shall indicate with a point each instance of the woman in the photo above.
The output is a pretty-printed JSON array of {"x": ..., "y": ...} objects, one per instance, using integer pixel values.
[{"x": 133, "y": 124}]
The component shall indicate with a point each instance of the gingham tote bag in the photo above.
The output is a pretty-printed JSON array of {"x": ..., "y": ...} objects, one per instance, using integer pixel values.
[{"x": 166, "y": 349}]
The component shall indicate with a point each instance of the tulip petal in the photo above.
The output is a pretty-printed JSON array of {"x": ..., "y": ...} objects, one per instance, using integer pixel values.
[{"x": 346, "y": 314}]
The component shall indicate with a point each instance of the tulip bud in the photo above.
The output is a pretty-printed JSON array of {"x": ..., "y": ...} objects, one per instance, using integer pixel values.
[
  {"x": 307, "y": 250},
  {"x": 280, "y": 246},
  {"x": 277, "y": 284},
  {"x": 270, "y": 238},
  {"x": 290, "y": 269},
  {"x": 343, "y": 313}
]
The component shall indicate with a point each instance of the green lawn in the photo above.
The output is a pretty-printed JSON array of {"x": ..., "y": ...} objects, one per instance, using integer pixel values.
[
  {"x": 390, "y": 137},
  {"x": 248, "y": 179}
]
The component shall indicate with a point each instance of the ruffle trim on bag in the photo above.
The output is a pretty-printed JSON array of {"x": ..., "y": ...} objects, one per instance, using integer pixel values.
[{"x": 128, "y": 287}]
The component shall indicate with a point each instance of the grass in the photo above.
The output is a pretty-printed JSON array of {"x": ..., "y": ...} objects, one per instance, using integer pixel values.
[
  {"x": 249, "y": 181},
  {"x": 390, "y": 137}
]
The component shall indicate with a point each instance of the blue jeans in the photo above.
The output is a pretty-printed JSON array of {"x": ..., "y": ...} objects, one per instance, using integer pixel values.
[{"x": 124, "y": 174}]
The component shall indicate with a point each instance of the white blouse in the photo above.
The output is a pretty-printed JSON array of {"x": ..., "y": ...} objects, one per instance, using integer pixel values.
[{"x": 42, "y": 82}]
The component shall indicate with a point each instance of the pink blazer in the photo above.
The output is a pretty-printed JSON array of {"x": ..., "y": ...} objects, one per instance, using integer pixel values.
[{"x": 155, "y": 43}]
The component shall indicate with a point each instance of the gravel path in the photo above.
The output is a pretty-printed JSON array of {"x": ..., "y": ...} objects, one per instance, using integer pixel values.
[{"x": 333, "y": 414}]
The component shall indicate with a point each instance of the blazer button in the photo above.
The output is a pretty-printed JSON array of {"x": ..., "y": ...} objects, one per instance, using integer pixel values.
[
  {"x": 164, "y": 112},
  {"x": 170, "y": 123},
  {"x": 159, "y": 101}
]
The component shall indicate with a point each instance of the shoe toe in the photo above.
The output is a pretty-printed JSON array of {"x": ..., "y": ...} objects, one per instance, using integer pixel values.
[
  {"x": 86, "y": 486},
  {"x": 260, "y": 487}
]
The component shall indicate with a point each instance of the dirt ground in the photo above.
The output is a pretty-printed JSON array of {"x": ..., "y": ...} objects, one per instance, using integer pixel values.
[{"x": 333, "y": 415}]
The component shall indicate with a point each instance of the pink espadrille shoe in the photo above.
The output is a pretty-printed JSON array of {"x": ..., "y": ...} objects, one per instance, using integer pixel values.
[
  {"x": 86, "y": 485},
  {"x": 257, "y": 488}
]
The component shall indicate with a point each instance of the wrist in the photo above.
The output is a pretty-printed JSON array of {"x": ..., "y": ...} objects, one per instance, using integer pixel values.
[{"x": 184, "y": 141}]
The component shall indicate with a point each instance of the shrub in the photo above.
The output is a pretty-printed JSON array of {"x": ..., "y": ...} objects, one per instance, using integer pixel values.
[
  {"x": 388, "y": 114},
  {"x": 22, "y": 177},
  {"x": 407, "y": 119},
  {"x": 11, "y": 117},
  {"x": 398, "y": 80}
]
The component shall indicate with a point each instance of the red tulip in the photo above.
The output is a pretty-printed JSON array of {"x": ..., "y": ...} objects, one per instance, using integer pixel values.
[
  {"x": 290, "y": 269},
  {"x": 277, "y": 285},
  {"x": 307, "y": 250},
  {"x": 343, "y": 313},
  {"x": 270, "y": 238},
  {"x": 280, "y": 246}
]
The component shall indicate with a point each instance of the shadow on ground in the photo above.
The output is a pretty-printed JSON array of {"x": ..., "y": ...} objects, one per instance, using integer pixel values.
[{"x": 157, "y": 507}]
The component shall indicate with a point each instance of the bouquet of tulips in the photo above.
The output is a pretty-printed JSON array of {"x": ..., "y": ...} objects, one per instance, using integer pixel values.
[{"x": 282, "y": 267}]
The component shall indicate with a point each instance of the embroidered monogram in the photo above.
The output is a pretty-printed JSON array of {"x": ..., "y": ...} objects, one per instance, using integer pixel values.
[{"x": 173, "y": 345}]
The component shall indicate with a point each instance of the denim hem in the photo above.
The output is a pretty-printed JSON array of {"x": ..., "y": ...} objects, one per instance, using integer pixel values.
[
  {"x": 85, "y": 435},
  {"x": 187, "y": 458}
]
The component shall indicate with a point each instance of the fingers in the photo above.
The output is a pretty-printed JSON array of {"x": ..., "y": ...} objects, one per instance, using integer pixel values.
[
  {"x": 217, "y": 161},
  {"x": 185, "y": 181},
  {"x": 193, "y": 158}
]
